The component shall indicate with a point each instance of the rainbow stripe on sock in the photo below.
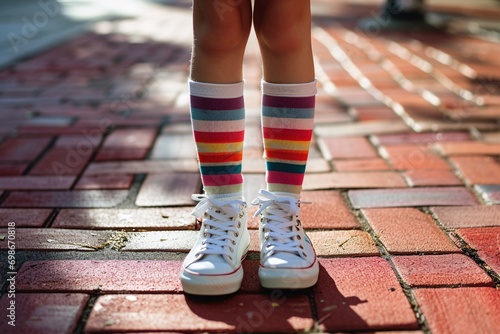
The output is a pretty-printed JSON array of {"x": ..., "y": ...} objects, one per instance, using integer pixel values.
[
  {"x": 287, "y": 129},
  {"x": 219, "y": 127}
]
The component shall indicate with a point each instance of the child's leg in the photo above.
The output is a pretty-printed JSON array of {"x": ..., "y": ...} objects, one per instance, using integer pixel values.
[
  {"x": 283, "y": 28},
  {"x": 284, "y": 32},
  {"x": 221, "y": 29}
]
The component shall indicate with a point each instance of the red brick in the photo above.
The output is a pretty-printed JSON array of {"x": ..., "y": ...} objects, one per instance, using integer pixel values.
[
  {"x": 174, "y": 146},
  {"x": 360, "y": 129},
  {"x": 12, "y": 169},
  {"x": 347, "y": 148},
  {"x": 343, "y": 243},
  {"x": 78, "y": 142},
  {"x": 150, "y": 218},
  {"x": 114, "y": 154},
  {"x": 371, "y": 113},
  {"x": 62, "y": 162},
  {"x": 468, "y": 216},
  {"x": 314, "y": 165},
  {"x": 168, "y": 189},
  {"x": 331, "y": 116},
  {"x": 175, "y": 241},
  {"x": 36, "y": 182},
  {"x": 57, "y": 239},
  {"x": 427, "y": 196},
  {"x": 361, "y": 294},
  {"x": 468, "y": 148},
  {"x": 44, "y": 313},
  {"x": 440, "y": 270},
  {"x": 99, "y": 275},
  {"x": 131, "y": 138},
  {"x": 241, "y": 313},
  {"x": 425, "y": 177},
  {"x": 408, "y": 231},
  {"x": 359, "y": 165},
  {"x": 460, "y": 310},
  {"x": 23, "y": 149},
  {"x": 142, "y": 167},
  {"x": 24, "y": 217},
  {"x": 336, "y": 180},
  {"x": 119, "y": 181},
  {"x": 408, "y": 157},
  {"x": 486, "y": 240},
  {"x": 478, "y": 170},
  {"x": 56, "y": 130},
  {"x": 65, "y": 199},
  {"x": 490, "y": 193},
  {"x": 327, "y": 210},
  {"x": 349, "y": 93}
]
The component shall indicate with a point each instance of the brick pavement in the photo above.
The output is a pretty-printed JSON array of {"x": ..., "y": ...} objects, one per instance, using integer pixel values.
[{"x": 97, "y": 166}]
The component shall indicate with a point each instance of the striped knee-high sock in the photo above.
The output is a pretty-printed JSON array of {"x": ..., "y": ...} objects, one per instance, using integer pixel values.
[
  {"x": 287, "y": 125},
  {"x": 218, "y": 120}
]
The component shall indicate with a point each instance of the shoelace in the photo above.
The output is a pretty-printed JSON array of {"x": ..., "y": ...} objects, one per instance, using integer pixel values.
[
  {"x": 278, "y": 222},
  {"x": 218, "y": 220}
]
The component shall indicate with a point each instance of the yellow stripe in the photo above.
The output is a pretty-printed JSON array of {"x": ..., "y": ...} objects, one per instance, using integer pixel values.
[
  {"x": 286, "y": 188},
  {"x": 230, "y": 189},
  {"x": 219, "y": 147},
  {"x": 286, "y": 145}
]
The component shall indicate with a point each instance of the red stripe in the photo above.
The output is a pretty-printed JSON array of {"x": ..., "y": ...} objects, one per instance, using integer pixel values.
[
  {"x": 287, "y": 155},
  {"x": 287, "y": 134},
  {"x": 219, "y": 137},
  {"x": 221, "y": 180},
  {"x": 220, "y": 157},
  {"x": 285, "y": 178}
]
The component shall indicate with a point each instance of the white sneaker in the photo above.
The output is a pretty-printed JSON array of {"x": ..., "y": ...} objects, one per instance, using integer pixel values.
[
  {"x": 213, "y": 266},
  {"x": 287, "y": 257}
]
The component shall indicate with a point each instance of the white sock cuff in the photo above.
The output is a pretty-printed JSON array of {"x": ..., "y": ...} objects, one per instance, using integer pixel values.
[
  {"x": 293, "y": 90},
  {"x": 216, "y": 91}
]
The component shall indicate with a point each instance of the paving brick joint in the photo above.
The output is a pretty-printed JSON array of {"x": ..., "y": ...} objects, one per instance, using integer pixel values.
[{"x": 98, "y": 164}]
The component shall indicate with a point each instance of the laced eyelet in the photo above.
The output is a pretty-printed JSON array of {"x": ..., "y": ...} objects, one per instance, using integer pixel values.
[
  {"x": 236, "y": 234},
  {"x": 239, "y": 225},
  {"x": 299, "y": 237},
  {"x": 233, "y": 242},
  {"x": 305, "y": 255},
  {"x": 301, "y": 247}
]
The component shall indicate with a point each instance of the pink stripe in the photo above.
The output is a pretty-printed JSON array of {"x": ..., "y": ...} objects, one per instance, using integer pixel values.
[
  {"x": 221, "y": 180},
  {"x": 285, "y": 178}
]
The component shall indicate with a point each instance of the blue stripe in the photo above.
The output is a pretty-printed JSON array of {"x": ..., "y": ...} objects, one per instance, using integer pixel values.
[
  {"x": 288, "y": 112},
  {"x": 284, "y": 167},
  {"x": 217, "y": 115},
  {"x": 218, "y": 170}
]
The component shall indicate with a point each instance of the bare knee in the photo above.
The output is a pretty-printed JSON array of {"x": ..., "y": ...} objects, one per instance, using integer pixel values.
[
  {"x": 286, "y": 33},
  {"x": 221, "y": 27}
]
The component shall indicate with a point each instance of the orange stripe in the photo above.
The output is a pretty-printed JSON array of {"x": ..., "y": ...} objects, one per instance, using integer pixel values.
[
  {"x": 220, "y": 157},
  {"x": 287, "y": 155}
]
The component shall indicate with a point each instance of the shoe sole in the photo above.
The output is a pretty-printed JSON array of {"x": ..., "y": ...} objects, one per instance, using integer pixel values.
[
  {"x": 212, "y": 285},
  {"x": 289, "y": 278}
]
